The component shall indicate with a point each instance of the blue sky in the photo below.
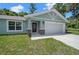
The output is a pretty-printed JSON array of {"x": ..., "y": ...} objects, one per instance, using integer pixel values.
[
  {"x": 23, "y": 6},
  {"x": 18, "y": 7},
  {"x": 67, "y": 15}
]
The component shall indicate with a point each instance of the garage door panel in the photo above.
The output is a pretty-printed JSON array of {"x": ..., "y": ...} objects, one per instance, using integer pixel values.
[{"x": 53, "y": 28}]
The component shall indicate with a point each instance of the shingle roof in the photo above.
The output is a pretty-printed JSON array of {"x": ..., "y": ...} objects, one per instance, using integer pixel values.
[
  {"x": 11, "y": 17},
  {"x": 47, "y": 11},
  {"x": 54, "y": 10}
]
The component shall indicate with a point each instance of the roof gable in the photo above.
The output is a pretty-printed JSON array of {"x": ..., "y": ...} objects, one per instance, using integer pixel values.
[{"x": 47, "y": 15}]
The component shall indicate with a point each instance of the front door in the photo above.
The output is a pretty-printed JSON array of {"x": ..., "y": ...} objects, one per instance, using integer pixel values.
[{"x": 34, "y": 27}]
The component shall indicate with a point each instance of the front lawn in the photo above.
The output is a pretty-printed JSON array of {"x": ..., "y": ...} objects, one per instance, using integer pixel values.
[
  {"x": 21, "y": 44},
  {"x": 14, "y": 44},
  {"x": 52, "y": 47}
]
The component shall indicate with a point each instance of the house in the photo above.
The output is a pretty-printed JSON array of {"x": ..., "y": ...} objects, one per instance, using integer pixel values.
[{"x": 46, "y": 22}]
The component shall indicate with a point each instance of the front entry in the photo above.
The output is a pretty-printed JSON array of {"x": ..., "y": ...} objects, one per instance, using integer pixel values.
[{"x": 34, "y": 27}]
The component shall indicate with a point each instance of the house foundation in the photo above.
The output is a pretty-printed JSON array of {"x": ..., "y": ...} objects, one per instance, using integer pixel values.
[{"x": 42, "y": 32}]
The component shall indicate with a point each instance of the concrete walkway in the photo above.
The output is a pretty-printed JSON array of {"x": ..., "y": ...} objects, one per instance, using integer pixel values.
[{"x": 69, "y": 39}]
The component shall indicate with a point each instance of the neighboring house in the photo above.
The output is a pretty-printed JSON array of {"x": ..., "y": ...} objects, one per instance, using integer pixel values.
[{"x": 46, "y": 22}]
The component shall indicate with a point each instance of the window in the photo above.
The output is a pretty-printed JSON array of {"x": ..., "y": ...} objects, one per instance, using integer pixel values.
[
  {"x": 11, "y": 25},
  {"x": 14, "y": 25},
  {"x": 18, "y": 25}
]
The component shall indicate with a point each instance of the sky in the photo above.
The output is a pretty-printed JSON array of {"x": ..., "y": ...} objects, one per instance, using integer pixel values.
[
  {"x": 69, "y": 14},
  {"x": 19, "y": 7}
]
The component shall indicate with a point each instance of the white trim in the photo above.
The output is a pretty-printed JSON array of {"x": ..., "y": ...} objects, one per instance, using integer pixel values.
[
  {"x": 64, "y": 27},
  {"x": 60, "y": 14},
  {"x": 15, "y": 26}
]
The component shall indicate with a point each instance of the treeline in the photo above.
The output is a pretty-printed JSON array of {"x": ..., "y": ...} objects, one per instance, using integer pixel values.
[
  {"x": 5, "y": 11},
  {"x": 11, "y": 13},
  {"x": 69, "y": 7}
]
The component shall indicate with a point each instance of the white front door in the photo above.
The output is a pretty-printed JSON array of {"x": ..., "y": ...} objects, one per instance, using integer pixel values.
[{"x": 54, "y": 27}]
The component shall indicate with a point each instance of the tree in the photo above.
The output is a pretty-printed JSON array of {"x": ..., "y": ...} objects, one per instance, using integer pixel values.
[
  {"x": 32, "y": 8},
  {"x": 7, "y": 12},
  {"x": 11, "y": 13},
  {"x": 61, "y": 7},
  {"x": 74, "y": 7},
  {"x": 1, "y": 12},
  {"x": 22, "y": 13}
]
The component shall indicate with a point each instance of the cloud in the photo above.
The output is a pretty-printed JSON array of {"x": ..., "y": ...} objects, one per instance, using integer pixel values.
[
  {"x": 44, "y": 8},
  {"x": 17, "y": 8},
  {"x": 50, "y": 5}
]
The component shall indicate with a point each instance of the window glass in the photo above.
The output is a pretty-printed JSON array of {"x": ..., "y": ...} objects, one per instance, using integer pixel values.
[
  {"x": 18, "y": 25},
  {"x": 11, "y": 25},
  {"x": 14, "y": 25}
]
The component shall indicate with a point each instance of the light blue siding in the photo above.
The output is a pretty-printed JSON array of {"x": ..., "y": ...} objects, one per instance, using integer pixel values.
[{"x": 3, "y": 27}]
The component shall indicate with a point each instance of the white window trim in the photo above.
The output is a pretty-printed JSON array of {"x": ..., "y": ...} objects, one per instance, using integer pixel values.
[{"x": 15, "y": 26}]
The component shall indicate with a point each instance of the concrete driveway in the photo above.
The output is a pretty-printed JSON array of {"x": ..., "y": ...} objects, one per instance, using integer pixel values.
[{"x": 69, "y": 39}]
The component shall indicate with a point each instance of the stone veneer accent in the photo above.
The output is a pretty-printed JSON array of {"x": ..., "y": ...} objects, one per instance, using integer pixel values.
[
  {"x": 42, "y": 32},
  {"x": 29, "y": 33}
]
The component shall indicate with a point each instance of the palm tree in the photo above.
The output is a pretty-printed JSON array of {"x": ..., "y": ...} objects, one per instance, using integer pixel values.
[{"x": 32, "y": 8}]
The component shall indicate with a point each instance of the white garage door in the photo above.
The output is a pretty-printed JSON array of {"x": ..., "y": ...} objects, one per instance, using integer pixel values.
[{"x": 54, "y": 27}]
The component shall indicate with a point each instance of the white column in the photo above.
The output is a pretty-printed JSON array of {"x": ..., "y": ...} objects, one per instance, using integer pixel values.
[
  {"x": 41, "y": 25},
  {"x": 29, "y": 24}
]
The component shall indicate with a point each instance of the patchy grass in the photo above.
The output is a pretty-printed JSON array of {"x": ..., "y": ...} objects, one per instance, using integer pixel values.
[
  {"x": 21, "y": 45},
  {"x": 52, "y": 47},
  {"x": 73, "y": 31},
  {"x": 14, "y": 44}
]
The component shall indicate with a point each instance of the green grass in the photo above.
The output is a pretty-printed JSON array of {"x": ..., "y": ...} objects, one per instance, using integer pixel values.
[
  {"x": 21, "y": 45},
  {"x": 52, "y": 47},
  {"x": 73, "y": 31},
  {"x": 14, "y": 44}
]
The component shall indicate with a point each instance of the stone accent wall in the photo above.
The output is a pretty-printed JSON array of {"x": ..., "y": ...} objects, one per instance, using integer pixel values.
[
  {"x": 42, "y": 32},
  {"x": 29, "y": 33}
]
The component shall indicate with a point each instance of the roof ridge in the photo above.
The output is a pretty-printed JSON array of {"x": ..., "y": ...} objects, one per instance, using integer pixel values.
[{"x": 46, "y": 11}]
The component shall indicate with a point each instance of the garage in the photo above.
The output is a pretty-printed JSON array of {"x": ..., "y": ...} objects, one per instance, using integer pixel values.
[{"x": 54, "y": 27}]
